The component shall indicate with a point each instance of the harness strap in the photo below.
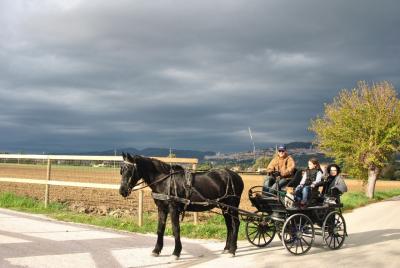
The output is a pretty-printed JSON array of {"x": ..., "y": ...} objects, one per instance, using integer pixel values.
[
  {"x": 164, "y": 197},
  {"x": 189, "y": 189},
  {"x": 156, "y": 181}
]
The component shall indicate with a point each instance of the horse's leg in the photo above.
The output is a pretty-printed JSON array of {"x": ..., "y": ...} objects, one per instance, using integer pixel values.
[
  {"x": 228, "y": 223},
  {"x": 162, "y": 219},
  {"x": 176, "y": 231},
  {"x": 235, "y": 227}
]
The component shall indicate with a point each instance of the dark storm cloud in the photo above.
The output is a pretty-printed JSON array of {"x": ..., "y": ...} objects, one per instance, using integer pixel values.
[{"x": 91, "y": 75}]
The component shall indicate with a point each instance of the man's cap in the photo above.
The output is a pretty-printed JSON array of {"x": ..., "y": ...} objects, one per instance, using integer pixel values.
[{"x": 281, "y": 147}]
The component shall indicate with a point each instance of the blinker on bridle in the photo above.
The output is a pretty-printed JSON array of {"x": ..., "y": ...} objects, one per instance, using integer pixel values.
[{"x": 134, "y": 169}]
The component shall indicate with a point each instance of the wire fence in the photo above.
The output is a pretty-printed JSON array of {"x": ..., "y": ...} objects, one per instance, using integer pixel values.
[{"x": 86, "y": 183}]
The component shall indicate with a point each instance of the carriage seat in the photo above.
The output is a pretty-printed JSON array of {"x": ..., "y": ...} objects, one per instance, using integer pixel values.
[{"x": 316, "y": 197}]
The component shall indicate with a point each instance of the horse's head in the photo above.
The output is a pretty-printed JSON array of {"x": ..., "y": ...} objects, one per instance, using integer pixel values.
[{"x": 129, "y": 174}]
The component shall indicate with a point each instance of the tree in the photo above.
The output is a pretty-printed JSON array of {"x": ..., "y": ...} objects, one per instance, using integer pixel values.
[
  {"x": 361, "y": 129},
  {"x": 204, "y": 166}
]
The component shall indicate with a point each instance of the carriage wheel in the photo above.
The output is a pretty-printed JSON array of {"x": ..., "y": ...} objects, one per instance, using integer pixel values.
[
  {"x": 334, "y": 230},
  {"x": 260, "y": 231},
  {"x": 298, "y": 234}
]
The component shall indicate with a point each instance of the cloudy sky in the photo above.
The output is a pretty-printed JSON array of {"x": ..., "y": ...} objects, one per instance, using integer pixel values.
[{"x": 96, "y": 75}]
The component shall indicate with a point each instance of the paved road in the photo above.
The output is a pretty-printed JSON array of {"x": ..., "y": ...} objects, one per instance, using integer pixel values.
[{"x": 35, "y": 241}]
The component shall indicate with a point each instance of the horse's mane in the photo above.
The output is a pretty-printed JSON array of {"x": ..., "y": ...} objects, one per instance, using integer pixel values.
[{"x": 165, "y": 168}]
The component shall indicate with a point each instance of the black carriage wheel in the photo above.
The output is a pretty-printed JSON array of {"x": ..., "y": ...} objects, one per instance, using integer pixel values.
[
  {"x": 334, "y": 230},
  {"x": 260, "y": 231},
  {"x": 298, "y": 234}
]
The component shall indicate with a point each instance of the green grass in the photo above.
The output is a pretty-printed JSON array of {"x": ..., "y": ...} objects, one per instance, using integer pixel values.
[
  {"x": 352, "y": 200},
  {"x": 10, "y": 200},
  {"x": 213, "y": 228}
]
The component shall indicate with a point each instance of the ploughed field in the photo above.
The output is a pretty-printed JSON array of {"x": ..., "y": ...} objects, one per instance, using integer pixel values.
[{"x": 111, "y": 198}]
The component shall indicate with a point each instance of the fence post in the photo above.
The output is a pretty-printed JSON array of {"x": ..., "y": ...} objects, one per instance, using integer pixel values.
[
  {"x": 195, "y": 214},
  {"x": 48, "y": 176},
  {"x": 140, "y": 208}
]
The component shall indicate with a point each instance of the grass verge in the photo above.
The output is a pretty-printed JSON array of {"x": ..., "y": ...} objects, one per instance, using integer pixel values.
[
  {"x": 352, "y": 200},
  {"x": 213, "y": 228}
]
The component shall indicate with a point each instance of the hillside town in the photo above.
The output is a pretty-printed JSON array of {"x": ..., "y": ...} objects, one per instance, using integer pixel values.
[{"x": 267, "y": 152}]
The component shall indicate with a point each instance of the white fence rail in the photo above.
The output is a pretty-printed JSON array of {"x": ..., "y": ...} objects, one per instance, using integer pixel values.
[{"x": 48, "y": 182}]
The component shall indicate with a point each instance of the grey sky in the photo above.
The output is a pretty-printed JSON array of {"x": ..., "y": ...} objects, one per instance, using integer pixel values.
[{"x": 93, "y": 75}]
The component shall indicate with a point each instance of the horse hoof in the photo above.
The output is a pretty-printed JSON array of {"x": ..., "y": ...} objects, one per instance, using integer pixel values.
[
  {"x": 225, "y": 251},
  {"x": 155, "y": 254},
  {"x": 176, "y": 258},
  {"x": 232, "y": 255}
]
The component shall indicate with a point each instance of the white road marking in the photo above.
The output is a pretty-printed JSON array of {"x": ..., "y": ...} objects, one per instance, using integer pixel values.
[
  {"x": 51, "y": 261},
  {"x": 139, "y": 257},
  {"x": 11, "y": 240},
  {"x": 51, "y": 230}
]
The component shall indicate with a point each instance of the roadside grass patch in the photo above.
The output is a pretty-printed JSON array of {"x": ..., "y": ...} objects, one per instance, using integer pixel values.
[
  {"x": 21, "y": 203},
  {"x": 211, "y": 228},
  {"x": 352, "y": 200}
]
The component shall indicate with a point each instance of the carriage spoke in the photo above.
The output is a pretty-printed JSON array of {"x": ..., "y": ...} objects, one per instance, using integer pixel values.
[
  {"x": 250, "y": 234},
  {"x": 339, "y": 224},
  {"x": 267, "y": 233},
  {"x": 301, "y": 244},
  {"x": 330, "y": 241},
  {"x": 326, "y": 239},
  {"x": 259, "y": 237},
  {"x": 305, "y": 242},
  {"x": 265, "y": 241},
  {"x": 291, "y": 245},
  {"x": 255, "y": 237}
]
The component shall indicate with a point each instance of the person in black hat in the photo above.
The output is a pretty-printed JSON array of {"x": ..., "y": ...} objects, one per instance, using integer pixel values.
[{"x": 282, "y": 166}]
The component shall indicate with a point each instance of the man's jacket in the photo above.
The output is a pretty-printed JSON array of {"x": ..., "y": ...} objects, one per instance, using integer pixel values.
[{"x": 285, "y": 165}]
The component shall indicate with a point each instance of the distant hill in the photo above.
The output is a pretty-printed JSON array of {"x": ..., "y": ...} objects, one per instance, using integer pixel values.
[
  {"x": 154, "y": 152},
  {"x": 298, "y": 145}
]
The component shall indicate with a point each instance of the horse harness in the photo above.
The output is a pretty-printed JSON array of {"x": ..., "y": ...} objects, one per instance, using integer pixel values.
[
  {"x": 189, "y": 189},
  {"x": 172, "y": 196}
]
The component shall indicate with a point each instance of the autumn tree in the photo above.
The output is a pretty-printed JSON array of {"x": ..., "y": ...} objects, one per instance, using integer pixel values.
[{"x": 361, "y": 129}]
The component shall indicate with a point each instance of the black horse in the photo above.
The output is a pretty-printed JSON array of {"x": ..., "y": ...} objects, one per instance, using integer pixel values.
[{"x": 171, "y": 187}]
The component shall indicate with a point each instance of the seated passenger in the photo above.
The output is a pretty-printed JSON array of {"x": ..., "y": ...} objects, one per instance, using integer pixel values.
[
  {"x": 334, "y": 185},
  {"x": 283, "y": 166},
  {"x": 312, "y": 179}
]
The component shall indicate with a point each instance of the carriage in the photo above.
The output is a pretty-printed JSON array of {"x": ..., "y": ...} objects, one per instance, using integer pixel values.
[
  {"x": 296, "y": 227},
  {"x": 176, "y": 190}
]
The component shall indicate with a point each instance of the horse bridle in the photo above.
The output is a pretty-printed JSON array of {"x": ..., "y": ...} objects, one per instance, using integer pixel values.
[{"x": 134, "y": 171}]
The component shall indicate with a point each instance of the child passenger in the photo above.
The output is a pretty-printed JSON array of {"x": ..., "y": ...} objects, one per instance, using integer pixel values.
[{"x": 312, "y": 177}]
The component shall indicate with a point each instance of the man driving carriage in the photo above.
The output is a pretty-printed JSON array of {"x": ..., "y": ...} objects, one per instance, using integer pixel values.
[{"x": 283, "y": 166}]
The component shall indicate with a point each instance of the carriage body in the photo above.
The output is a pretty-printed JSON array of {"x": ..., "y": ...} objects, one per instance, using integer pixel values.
[{"x": 295, "y": 226}]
